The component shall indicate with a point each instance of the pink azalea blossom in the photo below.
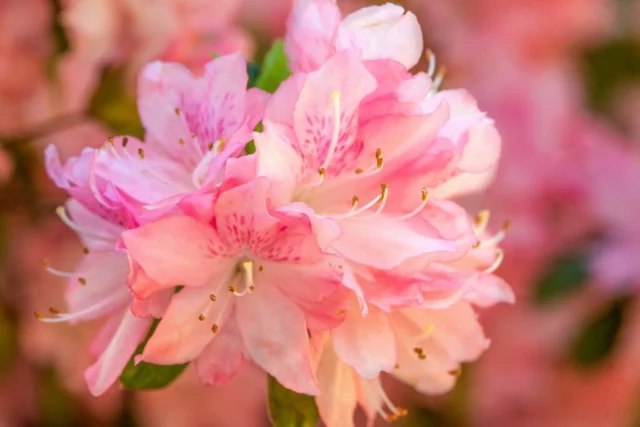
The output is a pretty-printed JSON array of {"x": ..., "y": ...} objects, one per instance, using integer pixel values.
[
  {"x": 365, "y": 156},
  {"x": 422, "y": 346},
  {"x": 316, "y": 31},
  {"x": 255, "y": 279}
]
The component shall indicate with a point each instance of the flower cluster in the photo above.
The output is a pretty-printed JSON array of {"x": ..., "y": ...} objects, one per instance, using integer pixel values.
[{"x": 331, "y": 254}]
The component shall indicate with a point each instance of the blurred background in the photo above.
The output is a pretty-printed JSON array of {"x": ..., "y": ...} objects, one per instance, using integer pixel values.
[{"x": 561, "y": 78}]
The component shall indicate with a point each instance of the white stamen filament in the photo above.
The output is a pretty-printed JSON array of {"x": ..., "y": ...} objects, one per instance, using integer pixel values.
[
  {"x": 62, "y": 213},
  {"x": 437, "y": 81},
  {"x": 93, "y": 186},
  {"x": 248, "y": 279},
  {"x": 61, "y": 273},
  {"x": 353, "y": 212},
  {"x": 431, "y": 58},
  {"x": 372, "y": 391},
  {"x": 65, "y": 317},
  {"x": 497, "y": 262},
  {"x": 335, "y": 98},
  {"x": 416, "y": 211}
]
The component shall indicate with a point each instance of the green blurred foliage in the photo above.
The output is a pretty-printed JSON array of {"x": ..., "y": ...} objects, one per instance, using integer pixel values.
[
  {"x": 147, "y": 376},
  {"x": 114, "y": 104},
  {"x": 275, "y": 68},
  {"x": 597, "y": 339},
  {"x": 290, "y": 409},
  {"x": 564, "y": 276}
]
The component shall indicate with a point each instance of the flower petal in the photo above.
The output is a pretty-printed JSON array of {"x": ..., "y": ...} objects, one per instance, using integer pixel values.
[
  {"x": 338, "y": 400},
  {"x": 222, "y": 357},
  {"x": 275, "y": 336}
]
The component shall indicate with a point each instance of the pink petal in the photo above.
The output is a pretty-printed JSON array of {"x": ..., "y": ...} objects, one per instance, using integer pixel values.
[
  {"x": 176, "y": 251},
  {"x": 338, "y": 400},
  {"x": 154, "y": 306},
  {"x": 256, "y": 105},
  {"x": 222, "y": 358},
  {"x": 366, "y": 343},
  {"x": 181, "y": 336},
  {"x": 106, "y": 370},
  {"x": 382, "y": 32},
  {"x": 310, "y": 33},
  {"x": 278, "y": 341},
  {"x": 315, "y": 113},
  {"x": 385, "y": 242}
]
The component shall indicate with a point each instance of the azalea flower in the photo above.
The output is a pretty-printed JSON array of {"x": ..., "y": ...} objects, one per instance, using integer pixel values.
[
  {"x": 316, "y": 31},
  {"x": 255, "y": 280}
]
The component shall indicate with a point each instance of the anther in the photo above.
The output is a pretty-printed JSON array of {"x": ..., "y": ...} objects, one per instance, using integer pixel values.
[
  {"x": 110, "y": 139},
  {"x": 354, "y": 201},
  {"x": 85, "y": 250},
  {"x": 201, "y": 318},
  {"x": 210, "y": 146},
  {"x": 215, "y": 328},
  {"x": 222, "y": 142},
  {"x": 54, "y": 311},
  {"x": 260, "y": 268},
  {"x": 125, "y": 141},
  {"x": 359, "y": 171},
  {"x": 181, "y": 141},
  {"x": 141, "y": 153},
  {"x": 82, "y": 281},
  {"x": 425, "y": 194},
  {"x": 38, "y": 315},
  {"x": 232, "y": 289},
  {"x": 177, "y": 111},
  {"x": 455, "y": 372},
  {"x": 212, "y": 297}
]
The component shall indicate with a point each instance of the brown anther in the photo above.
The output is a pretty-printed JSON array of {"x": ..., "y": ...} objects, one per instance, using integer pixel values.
[
  {"x": 82, "y": 281},
  {"x": 392, "y": 417},
  {"x": 506, "y": 225},
  {"x": 181, "y": 141},
  {"x": 476, "y": 245},
  {"x": 141, "y": 153},
  {"x": 379, "y": 163},
  {"x": 210, "y": 146},
  {"x": 110, "y": 139},
  {"x": 212, "y": 297},
  {"x": 359, "y": 171},
  {"x": 425, "y": 194},
  {"x": 379, "y": 153},
  {"x": 418, "y": 350},
  {"x": 223, "y": 143},
  {"x": 402, "y": 412},
  {"x": 38, "y": 315},
  {"x": 54, "y": 311},
  {"x": 340, "y": 267},
  {"x": 232, "y": 289},
  {"x": 125, "y": 141},
  {"x": 354, "y": 200},
  {"x": 482, "y": 217},
  {"x": 252, "y": 288},
  {"x": 215, "y": 328},
  {"x": 85, "y": 250},
  {"x": 422, "y": 356},
  {"x": 260, "y": 268},
  {"x": 201, "y": 318},
  {"x": 322, "y": 172},
  {"x": 341, "y": 312},
  {"x": 396, "y": 366},
  {"x": 177, "y": 111},
  {"x": 455, "y": 372},
  {"x": 45, "y": 262},
  {"x": 383, "y": 191},
  {"x": 193, "y": 135}
]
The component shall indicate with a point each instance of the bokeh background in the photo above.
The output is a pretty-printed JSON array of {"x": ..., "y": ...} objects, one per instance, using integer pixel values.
[{"x": 561, "y": 78}]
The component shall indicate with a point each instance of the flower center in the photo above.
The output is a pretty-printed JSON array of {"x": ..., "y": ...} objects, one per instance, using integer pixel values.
[{"x": 243, "y": 279}]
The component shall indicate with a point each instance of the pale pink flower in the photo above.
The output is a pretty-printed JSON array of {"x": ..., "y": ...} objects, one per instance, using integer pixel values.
[
  {"x": 316, "y": 31},
  {"x": 364, "y": 155},
  {"x": 255, "y": 279}
]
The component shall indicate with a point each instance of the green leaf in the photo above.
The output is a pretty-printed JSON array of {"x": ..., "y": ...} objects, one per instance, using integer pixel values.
[
  {"x": 275, "y": 69},
  {"x": 114, "y": 105},
  {"x": 147, "y": 376},
  {"x": 290, "y": 409},
  {"x": 598, "y": 338},
  {"x": 253, "y": 71},
  {"x": 564, "y": 276}
]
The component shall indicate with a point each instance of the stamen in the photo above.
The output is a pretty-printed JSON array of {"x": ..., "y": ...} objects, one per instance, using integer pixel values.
[
  {"x": 212, "y": 297},
  {"x": 431, "y": 59},
  {"x": 110, "y": 140},
  {"x": 481, "y": 221},
  {"x": 455, "y": 372},
  {"x": 437, "y": 81},
  {"x": 425, "y": 201},
  {"x": 177, "y": 111},
  {"x": 141, "y": 153},
  {"x": 496, "y": 263},
  {"x": 499, "y": 237},
  {"x": 215, "y": 328},
  {"x": 353, "y": 212},
  {"x": 181, "y": 141},
  {"x": 201, "y": 318},
  {"x": 383, "y": 200},
  {"x": 62, "y": 214},
  {"x": 222, "y": 142},
  {"x": 120, "y": 298},
  {"x": 59, "y": 273},
  {"x": 335, "y": 98},
  {"x": 125, "y": 141},
  {"x": 210, "y": 146},
  {"x": 260, "y": 268},
  {"x": 375, "y": 168},
  {"x": 85, "y": 250}
]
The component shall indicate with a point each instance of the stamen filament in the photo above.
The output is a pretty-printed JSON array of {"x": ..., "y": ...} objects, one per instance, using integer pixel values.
[
  {"x": 496, "y": 263},
  {"x": 335, "y": 98},
  {"x": 62, "y": 214}
]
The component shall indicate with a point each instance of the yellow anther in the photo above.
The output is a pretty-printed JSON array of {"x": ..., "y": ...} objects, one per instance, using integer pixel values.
[
  {"x": 354, "y": 200},
  {"x": 222, "y": 143},
  {"x": 141, "y": 153},
  {"x": 425, "y": 194},
  {"x": 177, "y": 111},
  {"x": 232, "y": 289},
  {"x": 54, "y": 311}
]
